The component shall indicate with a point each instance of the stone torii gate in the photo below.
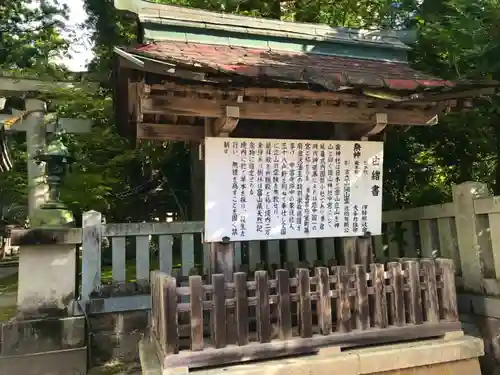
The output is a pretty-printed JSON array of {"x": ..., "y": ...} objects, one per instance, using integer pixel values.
[{"x": 36, "y": 122}]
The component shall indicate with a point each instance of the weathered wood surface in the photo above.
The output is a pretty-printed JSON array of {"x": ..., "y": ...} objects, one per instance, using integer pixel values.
[{"x": 268, "y": 325}]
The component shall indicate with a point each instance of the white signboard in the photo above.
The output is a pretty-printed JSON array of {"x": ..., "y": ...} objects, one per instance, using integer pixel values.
[{"x": 263, "y": 189}]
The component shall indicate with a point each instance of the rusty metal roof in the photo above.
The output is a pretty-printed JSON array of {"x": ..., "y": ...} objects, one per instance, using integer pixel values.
[{"x": 330, "y": 72}]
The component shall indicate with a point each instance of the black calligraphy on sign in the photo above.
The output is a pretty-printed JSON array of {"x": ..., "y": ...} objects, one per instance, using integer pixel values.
[
  {"x": 267, "y": 189},
  {"x": 322, "y": 185},
  {"x": 259, "y": 225},
  {"x": 347, "y": 195},
  {"x": 284, "y": 189},
  {"x": 330, "y": 179},
  {"x": 337, "y": 190},
  {"x": 292, "y": 172},
  {"x": 276, "y": 179},
  {"x": 226, "y": 147},
  {"x": 243, "y": 188},
  {"x": 364, "y": 218},
  {"x": 234, "y": 188},
  {"x": 307, "y": 198},
  {"x": 375, "y": 176},
  {"x": 356, "y": 154},
  {"x": 314, "y": 192},
  {"x": 251, "y": 169},
  {"x": 300, "y": 185}
]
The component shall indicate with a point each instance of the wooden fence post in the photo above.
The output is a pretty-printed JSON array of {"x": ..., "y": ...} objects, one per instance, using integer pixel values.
[
  {"x": 468, "y": 232},
  {"x": 91, "y": 253}
]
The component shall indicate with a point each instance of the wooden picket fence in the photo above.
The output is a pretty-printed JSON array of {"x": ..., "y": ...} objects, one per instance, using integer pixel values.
[{"x": 257, "y": 317}]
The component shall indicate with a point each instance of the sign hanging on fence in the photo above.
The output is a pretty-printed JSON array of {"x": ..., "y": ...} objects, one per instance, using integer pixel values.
[{"x": 264, "y": 189}]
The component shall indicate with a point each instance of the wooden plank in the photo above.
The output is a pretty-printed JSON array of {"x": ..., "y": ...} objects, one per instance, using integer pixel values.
[
  {"x": 253, "y": 254},
  {"x": 306, "y": 111},
  {"x": 494, "y": 224},
  {"x": 206, "y": 258},
  {"x": 409, "y": 245},
  {"x": 292, "y": 251},
  {"x": 419, "y": 213},
  {"x": 273, "y": 253},
  {"x": 305, "y": 310},
  {"x": 222, "y": 259},
  {"x": 431, "y": 304},
  {"x": 487, "y": 205},
  {"x": 362, "y": 310},
  {"x": 448, "y": 295},
  {"x": 392, "y": 242},
  {"x": 426, "y": 244},
  {"x": 380, "y": 300},
  {"x": 219, "y": 311},
  {"x": 364, "y": 251},
  {"x": 349, "y": 249},
  {"x": 343, "y": 302},
  {"x": 142, "y": 229},
  {"x": 165, "y": 253},
  {"x": 169, "y": 132},
  {"x": 448, "y": 246},
  {"x": 91, "y": 253},
  {"x": 170, "y": 315},
  {"x": 240, "y": 286},
  {"x": 196, "y": 312},
  {"x": 187, "y": 255},
  {"x": 327, "y": 249},
  {"x": 284, "y": 305},
  {"x": 468, "y": 232},
  {"x": 297, "y": 346},
  {"x": 397, "y": 296},
  {"x": 263, "y": 308},
  {"x": 237, "y": 255},
  {"x": 118, "y": 267},
  {"x": 415, "y": 316},
  {"x": 324, "y": 303},
  {"x": 311, "y": 251},
  {"x": 379, "y": 246},
  {"x": 142, "y": 258}
]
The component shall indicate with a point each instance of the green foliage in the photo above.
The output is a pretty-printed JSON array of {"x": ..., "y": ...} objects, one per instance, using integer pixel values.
[{"x": 458, "y": 39}]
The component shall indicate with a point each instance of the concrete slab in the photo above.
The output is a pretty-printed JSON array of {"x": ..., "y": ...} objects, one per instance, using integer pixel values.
[{"x": 418, "y": 357}]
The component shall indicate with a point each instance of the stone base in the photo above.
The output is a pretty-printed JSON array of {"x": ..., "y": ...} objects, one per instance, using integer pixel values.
[
  {"x": 43, "y": 346},
  {"x": 452, "y": 355}
]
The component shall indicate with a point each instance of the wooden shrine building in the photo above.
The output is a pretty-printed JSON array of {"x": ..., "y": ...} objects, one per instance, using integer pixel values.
[{"x": 198, "y": 74}]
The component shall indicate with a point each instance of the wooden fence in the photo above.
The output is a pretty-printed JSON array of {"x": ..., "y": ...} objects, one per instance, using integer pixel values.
[
  {"x": 295, "y": 315},
  {"x": 463, "y": 230}
]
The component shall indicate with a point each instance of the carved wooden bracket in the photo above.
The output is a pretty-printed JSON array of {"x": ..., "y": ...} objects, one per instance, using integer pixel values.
[
  {"x": 380, "y": 125},
  {"x": 223, "y": 126}
]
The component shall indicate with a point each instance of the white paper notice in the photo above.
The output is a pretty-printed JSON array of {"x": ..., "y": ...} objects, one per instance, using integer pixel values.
[{"x": 264, "y": 189}]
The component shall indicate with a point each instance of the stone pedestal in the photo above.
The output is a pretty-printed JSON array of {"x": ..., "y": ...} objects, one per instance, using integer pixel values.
[
  {"x": 46, "y": 279},
  {"x": 45, "y": 337}
]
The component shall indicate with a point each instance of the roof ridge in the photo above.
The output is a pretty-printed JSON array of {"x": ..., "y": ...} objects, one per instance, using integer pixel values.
[{"x": 152, "y": 12}]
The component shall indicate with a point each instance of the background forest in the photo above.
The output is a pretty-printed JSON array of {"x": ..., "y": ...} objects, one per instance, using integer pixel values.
[{"x": 457, "y": 39}]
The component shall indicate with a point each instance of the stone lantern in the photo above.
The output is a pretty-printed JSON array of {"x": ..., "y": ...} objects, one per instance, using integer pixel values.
[{"x": 57, "y": 158}]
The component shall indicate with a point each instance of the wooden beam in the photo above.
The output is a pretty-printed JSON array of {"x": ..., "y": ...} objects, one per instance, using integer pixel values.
[
  {"x": 19, "y": 86},
  {"x": 163, "y": 132},
  {"x": 223, "y": 126},
  {"x": 306, "y": 111}
]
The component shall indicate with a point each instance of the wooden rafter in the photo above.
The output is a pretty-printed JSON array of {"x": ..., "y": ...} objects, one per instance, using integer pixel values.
[
  {"x": 169, "y": 132},
  {"x": 304, "y": 111}
]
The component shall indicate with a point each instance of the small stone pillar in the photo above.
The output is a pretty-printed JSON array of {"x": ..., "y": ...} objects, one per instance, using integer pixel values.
[
  {"x": 46, "y": 336},
  {"x": 47, "y": 270}
]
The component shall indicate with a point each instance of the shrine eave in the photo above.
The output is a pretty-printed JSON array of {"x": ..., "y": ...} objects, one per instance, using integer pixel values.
[{"x": 249, "y": 67}]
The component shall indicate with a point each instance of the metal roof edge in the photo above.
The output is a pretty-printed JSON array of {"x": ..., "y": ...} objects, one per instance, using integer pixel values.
[{"x": 164, "y": 14}]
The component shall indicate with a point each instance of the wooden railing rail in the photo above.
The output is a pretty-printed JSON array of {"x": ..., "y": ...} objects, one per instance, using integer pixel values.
[{"x": 290, "y": 315}]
